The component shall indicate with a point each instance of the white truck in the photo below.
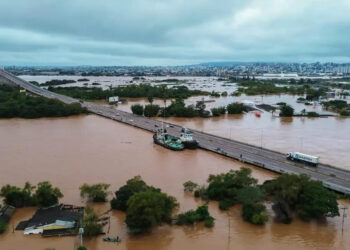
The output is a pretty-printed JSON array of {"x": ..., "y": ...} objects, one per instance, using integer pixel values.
[{"x": 309, "y": 159}]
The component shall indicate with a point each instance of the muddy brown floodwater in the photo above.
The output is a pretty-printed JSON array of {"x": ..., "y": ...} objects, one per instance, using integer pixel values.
[
  {"x": 328, "y": 138},
  {"x": 88, "y": 149}
]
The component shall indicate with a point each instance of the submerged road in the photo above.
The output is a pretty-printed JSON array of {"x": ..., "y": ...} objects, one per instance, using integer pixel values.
[{"x": 334, "y": 178}]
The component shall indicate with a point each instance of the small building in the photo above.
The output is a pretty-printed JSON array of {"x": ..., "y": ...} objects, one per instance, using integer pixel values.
[
  {"x": 113, "y": 99},
  {"x": 6, "y": 213},
  {"x": 330, "y": 94},
  {"x": 55, "y": 220}
]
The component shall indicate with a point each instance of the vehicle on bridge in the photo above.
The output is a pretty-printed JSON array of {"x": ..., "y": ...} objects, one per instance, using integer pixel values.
[{"x": 308, "y": 159}]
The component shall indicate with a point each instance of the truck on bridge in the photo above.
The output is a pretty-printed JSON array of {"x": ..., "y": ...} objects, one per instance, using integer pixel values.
[{"x": 308, "y": 159}]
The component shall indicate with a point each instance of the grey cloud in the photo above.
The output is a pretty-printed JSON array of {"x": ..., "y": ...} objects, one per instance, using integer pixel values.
[{"x": 156, "y": 32}]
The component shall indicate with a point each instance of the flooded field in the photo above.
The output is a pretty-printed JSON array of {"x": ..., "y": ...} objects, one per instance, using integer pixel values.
[
  {"x": 88, "y": 149},
  {"x": 195, "y": 82}
]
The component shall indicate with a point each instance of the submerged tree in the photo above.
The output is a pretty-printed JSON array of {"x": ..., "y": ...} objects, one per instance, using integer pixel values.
[
  {"x": 95, "y": 192},
  {"x": 18, "y": 197},
  {"x": 90, "y": 222},
  {"x": 309, "y": 198},
  {"x": 122, "y": 195},
  {"x": 46, "y": 195},
  {"x": 148, "y": 209}
]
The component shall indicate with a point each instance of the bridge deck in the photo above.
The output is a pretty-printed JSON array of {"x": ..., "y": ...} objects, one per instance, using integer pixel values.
[{"x": 332, "y": 177}]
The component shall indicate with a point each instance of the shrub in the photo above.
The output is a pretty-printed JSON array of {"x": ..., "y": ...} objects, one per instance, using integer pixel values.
[
  {"x": 90, "y": 222},
  {"x": 151, "y": 110},
  {"x": 81, "y": 248},
  {"x": 190, "y": 186},
  {"x": 200, "y": 214},
  {"x": 254, "y": 213},
  {"x": 235, "y": 108},
  {"x": 225, "y": 204},
  {"x": 313, "y": 114},
  {"x": 137, "y": 109},
  {"x": 3, "y": 227},
  {"x": 345, "y": 113},
  {"x": 95, "y": 192},
  {"x": 218, "y": 111},
  {"x": 209, "y": 222}
]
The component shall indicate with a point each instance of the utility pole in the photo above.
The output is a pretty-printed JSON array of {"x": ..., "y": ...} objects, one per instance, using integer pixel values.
[
  {"x": 229, "y": 230},
  {"x": 344, "y": 208}
]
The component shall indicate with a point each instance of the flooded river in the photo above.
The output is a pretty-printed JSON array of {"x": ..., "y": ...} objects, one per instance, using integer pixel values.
[
  {"x": 88, "y": 149},
  {"x": 328, "y": 138}
]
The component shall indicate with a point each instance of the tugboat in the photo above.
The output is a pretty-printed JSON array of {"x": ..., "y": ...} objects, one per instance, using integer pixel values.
[
  {"x": 162, "y": 138},
  {"x": 187, "y": 140}
]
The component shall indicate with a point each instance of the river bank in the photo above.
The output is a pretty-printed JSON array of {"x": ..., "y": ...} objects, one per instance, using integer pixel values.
[{"x": 71, "y": 151}]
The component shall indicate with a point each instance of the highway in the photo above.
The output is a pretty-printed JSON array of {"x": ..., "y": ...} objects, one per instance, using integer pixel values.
[{"x": 334, "y": 178}]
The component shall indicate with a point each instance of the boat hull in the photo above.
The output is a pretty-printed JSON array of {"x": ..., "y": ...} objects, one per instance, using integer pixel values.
[
  {"x": 190, "y": 144},
  {"x": 161, "y": 143}
]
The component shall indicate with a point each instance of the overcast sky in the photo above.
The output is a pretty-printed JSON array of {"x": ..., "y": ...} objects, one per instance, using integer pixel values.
[{"x": 172, "y": 32}]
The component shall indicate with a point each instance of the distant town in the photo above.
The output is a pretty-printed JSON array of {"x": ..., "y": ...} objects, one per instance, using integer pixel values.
[{"x": 219, "y": 69}]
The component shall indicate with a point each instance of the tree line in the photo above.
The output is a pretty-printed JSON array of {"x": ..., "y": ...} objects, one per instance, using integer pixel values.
[
  {"x": 16, "y": 104},
  {"x": 130, "y": 91},
  {"x": 178, "y": 108}
]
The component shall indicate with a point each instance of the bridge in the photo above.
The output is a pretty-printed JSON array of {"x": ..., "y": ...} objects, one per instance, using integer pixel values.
[{"x": 332, "y": 177}]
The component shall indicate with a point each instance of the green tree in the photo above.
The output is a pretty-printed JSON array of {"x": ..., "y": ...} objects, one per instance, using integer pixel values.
[
  {"x": 90, "y": 222},
  {"x": 46, "y": 195},
  {"x": 190, "y": 217},
  {"x": 151, "y": 110},
  {"x": 150, "y": 98},
  {"x": 137, "y": 109},
  {"x": 122, "y": 195},
  {"x": 148, "y": 209},
  {"x": 317, "y": 202},
  {"x": 287, "y": 187},
  {"x": 218, "y": 111},
  {"x": 250, "y": 195},
  {"x": 286, "y": 111},
  {"x": 95, "y": 192},
  {"x": 200, "y": 107},
  {"x": 190, "y": 186},
  {"x": 254, "y": 213},
  {"x": 17, "y": 197},
  {"x": 81, "y": 248},
  {"x": 235, "y": 108}
]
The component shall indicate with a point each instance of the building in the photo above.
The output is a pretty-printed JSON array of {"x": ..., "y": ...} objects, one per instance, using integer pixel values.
[
  {"x": 55, "y": 220},
  {"x": 6, "y": 213},
  {"x": 113, "y": 99}
]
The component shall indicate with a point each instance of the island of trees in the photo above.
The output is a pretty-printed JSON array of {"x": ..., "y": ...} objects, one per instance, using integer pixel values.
[
  {"x": 16, "y": 104},
  {"x": 292, "y": 194}
]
